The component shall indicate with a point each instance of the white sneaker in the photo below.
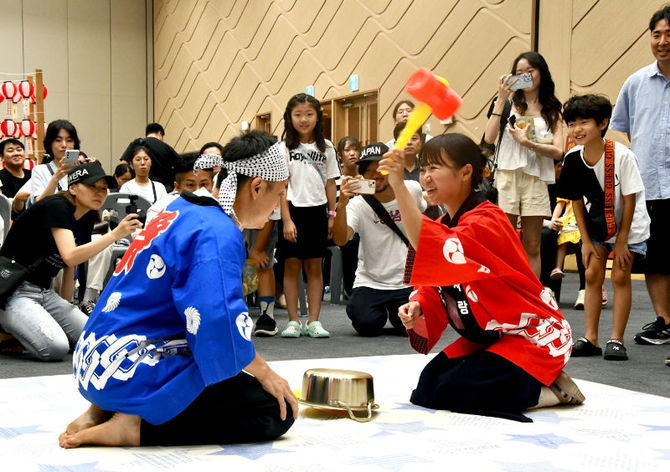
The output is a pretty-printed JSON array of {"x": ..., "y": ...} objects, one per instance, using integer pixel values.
[{"x": 579, "y": 303}]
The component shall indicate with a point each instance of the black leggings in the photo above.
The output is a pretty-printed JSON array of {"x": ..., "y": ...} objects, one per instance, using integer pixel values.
[
  {"x": 369, "y": 309},
  {"x": 482, "y": 383},
  {"x": 235, "y": 410}
]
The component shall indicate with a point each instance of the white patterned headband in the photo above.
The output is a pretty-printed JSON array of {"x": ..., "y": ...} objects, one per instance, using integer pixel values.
[
  {"x": 207, "y": 162},
  {"x": 270, "y": 165}
]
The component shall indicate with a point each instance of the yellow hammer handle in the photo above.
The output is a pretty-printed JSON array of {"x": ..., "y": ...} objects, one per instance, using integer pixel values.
[{"x": 420, "y": 114}]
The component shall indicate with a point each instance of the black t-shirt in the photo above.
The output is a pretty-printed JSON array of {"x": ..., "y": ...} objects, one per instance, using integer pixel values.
[
  {"x": 578, "y": 181},
  {"x": 30, "y": 237},
  {"x": 163, "y": 158},
  {"x": 11, "y": 184}
]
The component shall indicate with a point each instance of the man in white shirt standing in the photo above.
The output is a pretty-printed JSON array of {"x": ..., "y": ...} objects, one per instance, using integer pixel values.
[{"x": 378, "y": 290}]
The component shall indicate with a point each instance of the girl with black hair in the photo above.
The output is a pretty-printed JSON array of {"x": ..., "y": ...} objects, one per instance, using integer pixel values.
[
  {"x": 308, "y": 210},
  {"x": 469, "y": 270},
  {"x": 141, "y": 185},
  {"x": 122, "y": 174},
  {"x": 51, "y": 176},
  {"x": 530, "y": 143}
]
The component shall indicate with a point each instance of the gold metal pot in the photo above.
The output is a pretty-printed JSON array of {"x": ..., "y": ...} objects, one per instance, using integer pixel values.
[{"x": 339, "y": 389}]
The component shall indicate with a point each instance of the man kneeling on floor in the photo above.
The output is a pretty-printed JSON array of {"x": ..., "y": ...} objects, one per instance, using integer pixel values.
[
  {"x": 166, "y": 357},
  {"x": 378, "y": 290}
]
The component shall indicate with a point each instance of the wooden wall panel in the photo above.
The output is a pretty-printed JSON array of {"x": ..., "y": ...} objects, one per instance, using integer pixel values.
[{"x": 221, "y": 62}]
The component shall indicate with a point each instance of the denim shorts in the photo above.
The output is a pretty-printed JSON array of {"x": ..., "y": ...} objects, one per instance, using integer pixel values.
[{"x": 638, "y": 248}]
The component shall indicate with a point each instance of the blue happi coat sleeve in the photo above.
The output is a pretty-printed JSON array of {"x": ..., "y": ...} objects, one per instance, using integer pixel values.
[{"x": 208, "y": 296}]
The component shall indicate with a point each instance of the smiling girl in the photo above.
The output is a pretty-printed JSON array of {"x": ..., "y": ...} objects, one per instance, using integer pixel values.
[
  {"x": 308, "y": 210},
  {"x": 470, "y": 271}
]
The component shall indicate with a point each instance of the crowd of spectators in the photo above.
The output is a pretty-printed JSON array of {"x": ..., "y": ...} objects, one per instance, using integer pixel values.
[{"x": 325, "y": 204}]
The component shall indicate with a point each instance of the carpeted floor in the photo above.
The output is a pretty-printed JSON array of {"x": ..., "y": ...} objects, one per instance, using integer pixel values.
[{"x": 615, "y": 429}]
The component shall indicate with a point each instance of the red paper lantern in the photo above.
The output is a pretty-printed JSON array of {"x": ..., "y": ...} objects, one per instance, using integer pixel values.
[
  {"x": 26, "y": 88},
  {"x": 8, "y": 128},
  {"x": 8, "y": 89},
  {"x": 17, "y": 130},
  {"x": 2, "y": 98},
  {"x": 33, "y": 97},
  {"x": 27, "y": 127}
]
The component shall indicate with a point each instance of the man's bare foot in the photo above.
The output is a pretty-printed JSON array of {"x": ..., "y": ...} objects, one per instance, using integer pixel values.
[
  {"x": 119, "y": 430},
  {"x": 91, "y": 417}
]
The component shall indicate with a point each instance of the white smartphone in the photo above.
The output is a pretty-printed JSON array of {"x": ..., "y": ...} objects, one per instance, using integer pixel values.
[
  {"x": 366, "y": 186},
  {"x": 525, "y": 81},
  {"x": 71, "y": 157}
]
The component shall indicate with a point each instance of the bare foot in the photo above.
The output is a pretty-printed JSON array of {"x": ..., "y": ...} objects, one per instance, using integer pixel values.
[
  {"x": 119, "y": 430},
  {"x": 91, "y": 417}
]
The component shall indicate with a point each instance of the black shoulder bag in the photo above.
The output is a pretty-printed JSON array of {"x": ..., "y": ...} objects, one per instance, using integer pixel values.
[
  {"x": 383, "y": 215},
  {"x": 13, "y": 274}
]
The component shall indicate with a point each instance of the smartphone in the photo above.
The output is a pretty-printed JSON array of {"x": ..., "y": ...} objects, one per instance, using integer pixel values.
[
  {"x": 71, "y": 158},
  {"x": 366, "y": 186},
  {"x": 524, "y": 81}
]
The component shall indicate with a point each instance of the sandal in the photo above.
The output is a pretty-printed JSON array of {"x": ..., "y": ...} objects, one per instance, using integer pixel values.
[
  {"x": 585, "y": 348},
  {"x": 293, "y": 330},
  {"x": 315, "y": 330},
  {"x": 556, "y": 274}
]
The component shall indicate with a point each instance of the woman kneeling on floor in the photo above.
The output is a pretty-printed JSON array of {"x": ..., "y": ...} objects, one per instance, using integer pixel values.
[
  {"x": 166, "y": 357},
  {"x": 470, "y": 270},
  {"x": 55, "y": 234}
]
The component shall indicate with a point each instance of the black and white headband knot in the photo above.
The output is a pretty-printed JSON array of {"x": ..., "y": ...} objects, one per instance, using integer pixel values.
[
  {"x": 270, "y": 165},
  {"x": 207, "y": 162}
]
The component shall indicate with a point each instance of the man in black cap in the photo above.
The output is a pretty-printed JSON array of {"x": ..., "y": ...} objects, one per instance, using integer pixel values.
[{"x": 378, "y": 289}]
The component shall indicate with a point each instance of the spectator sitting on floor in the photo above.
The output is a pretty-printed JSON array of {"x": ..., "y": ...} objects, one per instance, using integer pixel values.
[
  {"x": 122, "y": 174},
  {"x": 186, "y": 178},
  {"x": 163, "y": 156},
  {"x": 142, "y": 185},
  {"x": 378, "y": 289},
  {"x": 13, "y": 176},
  {"x": 55, "y": 234}
]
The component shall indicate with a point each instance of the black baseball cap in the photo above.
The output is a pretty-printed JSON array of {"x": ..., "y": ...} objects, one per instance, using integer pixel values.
[
  {"x": 89, "y": 173},
  {"x": 373, "y": 152}
]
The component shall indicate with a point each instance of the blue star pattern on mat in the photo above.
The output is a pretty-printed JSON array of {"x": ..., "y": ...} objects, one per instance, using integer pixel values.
[
  {"x": 250, "y": 451},
  {"x": 526, "y": 466},
  {"x": 9, "y": 433},
  {"x": 413, "y": 427},
  {"x": 410, "y": 406},
  {"x": 550, "y": 440},
  {"x": 656, "y": 427},
  {"x": 70, "y": 468},
  {"x": 392, "y": 463},
  {"x": 550, "y": 417},
  {"x": 665, "y": 454}
]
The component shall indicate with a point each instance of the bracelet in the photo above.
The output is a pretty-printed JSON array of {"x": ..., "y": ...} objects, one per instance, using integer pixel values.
[
  {"x": 496, "y": 114},
  {"x": 332, "y": 213}
]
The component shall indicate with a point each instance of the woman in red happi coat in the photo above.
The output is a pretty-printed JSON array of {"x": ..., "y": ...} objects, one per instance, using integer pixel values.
[{"x": 470, "y": 271}]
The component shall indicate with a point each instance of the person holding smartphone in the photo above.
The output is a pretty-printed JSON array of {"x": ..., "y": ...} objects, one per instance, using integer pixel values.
[
  {"x": 529, "y": 143},
  {"x": 378, "y": 290},
  {"x": 51, "y": 176}
]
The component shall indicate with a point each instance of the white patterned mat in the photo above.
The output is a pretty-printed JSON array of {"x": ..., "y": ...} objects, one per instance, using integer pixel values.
[{"x": 614, "y": 430}]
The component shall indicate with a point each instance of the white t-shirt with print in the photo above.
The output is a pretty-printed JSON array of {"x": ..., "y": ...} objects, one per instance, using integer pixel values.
[
  {"x": 627, "y": 181},
  {"x": 307, "y": 185},
  {"x": 145, "y": 191},
  {"x": 381, "y": 253}
]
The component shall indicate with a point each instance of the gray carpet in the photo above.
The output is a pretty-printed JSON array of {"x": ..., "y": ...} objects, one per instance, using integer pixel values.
[{"x": 644, "y": 372}]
